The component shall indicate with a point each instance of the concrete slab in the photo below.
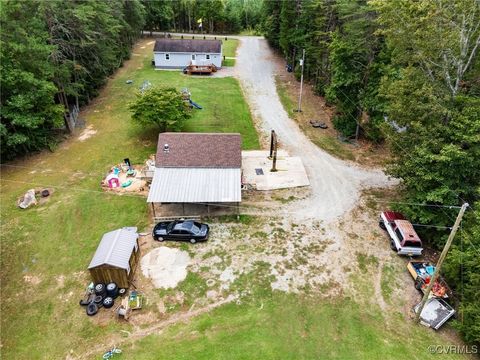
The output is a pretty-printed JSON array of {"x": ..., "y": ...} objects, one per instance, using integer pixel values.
[{"x": 291, "y": 172}]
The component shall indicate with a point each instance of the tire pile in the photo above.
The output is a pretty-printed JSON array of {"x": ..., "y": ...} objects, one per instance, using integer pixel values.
[{"x": 102, "y": 295}]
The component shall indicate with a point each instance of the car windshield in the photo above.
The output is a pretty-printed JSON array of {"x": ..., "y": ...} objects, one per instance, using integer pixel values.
[
  {"x": 195, "y": 229},
  {"x": 170, "y": 226}
]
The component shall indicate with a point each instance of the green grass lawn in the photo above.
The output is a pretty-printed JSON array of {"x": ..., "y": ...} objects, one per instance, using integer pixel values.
[
  {"x": 46, "y": 249},
  {"x": 279, "y": 326},
  {"x": 230, "y": 47},
  {"x": 228, "y": 62}
]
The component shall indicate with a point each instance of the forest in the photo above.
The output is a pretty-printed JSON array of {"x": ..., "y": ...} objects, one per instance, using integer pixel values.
[
  {"x": 56, "y": 54},
  {"x": 406, "y": 75}
]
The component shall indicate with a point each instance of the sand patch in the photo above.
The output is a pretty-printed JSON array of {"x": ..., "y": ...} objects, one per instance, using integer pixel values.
[
  {"x": 165, "y": 266},
  {"x": 87, "y": 133}
]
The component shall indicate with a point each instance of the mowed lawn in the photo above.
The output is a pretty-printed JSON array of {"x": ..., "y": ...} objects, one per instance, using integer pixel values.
[
  {"x": 290, "y": 327},
  {"x": 230, "y": 47},
  {"x": 46, "y": 249}
]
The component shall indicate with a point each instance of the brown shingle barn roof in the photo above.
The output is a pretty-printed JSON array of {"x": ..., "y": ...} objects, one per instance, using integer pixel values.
[
  {"x": 188, "y": 46},
  {"x": 199, "y": 150}
]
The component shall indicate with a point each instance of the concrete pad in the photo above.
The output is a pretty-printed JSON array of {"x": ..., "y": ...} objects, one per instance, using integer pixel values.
[{"x": 290, "y": 171}]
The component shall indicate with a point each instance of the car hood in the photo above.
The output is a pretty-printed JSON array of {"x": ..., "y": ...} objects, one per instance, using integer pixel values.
[{"x": 204, "y": 229}]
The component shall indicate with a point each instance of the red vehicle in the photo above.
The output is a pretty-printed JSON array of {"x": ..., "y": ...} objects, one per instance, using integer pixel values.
[{"x": 403, "y": 238}]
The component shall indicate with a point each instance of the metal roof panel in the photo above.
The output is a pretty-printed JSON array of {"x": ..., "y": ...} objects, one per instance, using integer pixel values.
[
  {"x": 195, "y": 185},
  {"x": 115, "y": 249}
]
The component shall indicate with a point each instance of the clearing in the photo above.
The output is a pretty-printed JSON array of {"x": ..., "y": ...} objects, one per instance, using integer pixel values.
[{"x": 305, "y": 273}]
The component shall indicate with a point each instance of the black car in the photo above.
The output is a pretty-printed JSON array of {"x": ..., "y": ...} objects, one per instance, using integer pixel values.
[{"x": 183, "y": 230}]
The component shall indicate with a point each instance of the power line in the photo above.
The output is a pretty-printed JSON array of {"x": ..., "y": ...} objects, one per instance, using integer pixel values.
[
  {"x": 419, "y": 204},
  {"x": 391, "y": 139},
  {"x": 112, "y": 193},
  {"x": 246, "y": 207}
]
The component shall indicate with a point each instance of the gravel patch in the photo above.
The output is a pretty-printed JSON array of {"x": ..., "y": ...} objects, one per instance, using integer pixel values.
[{"x": 166, "y": 267}]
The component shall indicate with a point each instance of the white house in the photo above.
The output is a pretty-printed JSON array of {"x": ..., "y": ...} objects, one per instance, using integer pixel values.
[{"x": 178, "y": 53}]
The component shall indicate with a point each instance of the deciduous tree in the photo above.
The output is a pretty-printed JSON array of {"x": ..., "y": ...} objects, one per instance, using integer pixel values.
[{"x": 162, "y": 106}]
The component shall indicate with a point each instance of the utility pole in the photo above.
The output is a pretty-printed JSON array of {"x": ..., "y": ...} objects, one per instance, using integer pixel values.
[
  {"x": 302, "y": 64},
  {"x": 440, "y": 261}
]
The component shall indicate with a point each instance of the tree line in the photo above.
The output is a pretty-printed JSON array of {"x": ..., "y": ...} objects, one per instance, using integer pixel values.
[
  {"x": 209, "y": 16},
  {"x": 406, "y": 73},
  {"x": 53, "y": 55}
]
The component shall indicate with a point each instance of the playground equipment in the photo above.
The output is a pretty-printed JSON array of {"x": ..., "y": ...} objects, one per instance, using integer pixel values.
[
  {"x": 145, "y": 85},
  {"x": 195, "y": 105},
  {"x": 186, "y": 97}
]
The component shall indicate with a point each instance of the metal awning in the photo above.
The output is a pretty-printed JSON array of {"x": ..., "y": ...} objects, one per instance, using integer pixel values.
[{"x": 195, "y": 185}]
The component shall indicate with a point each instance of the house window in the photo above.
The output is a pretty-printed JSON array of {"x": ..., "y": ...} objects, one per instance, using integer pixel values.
[
  {"x": 193, "y": 56},
  {"x": 207, "y": 56},
  {"x": 167, "y": 56}
]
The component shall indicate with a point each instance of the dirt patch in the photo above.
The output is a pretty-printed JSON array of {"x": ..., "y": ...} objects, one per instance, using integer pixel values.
[
  {"x": 166, "y": 267},
  {"x": 87, "y": 133},
  {"x": 60, "y": 281},
  {"x": 32, "y": 279}
]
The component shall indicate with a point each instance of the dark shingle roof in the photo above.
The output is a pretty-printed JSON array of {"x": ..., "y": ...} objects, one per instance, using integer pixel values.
[
  {"x": 196, "y": 150},
  {"x": 188, "y": 46}
]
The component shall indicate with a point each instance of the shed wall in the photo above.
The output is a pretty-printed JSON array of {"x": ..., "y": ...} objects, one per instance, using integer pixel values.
[{"x": 105, "y": 274}]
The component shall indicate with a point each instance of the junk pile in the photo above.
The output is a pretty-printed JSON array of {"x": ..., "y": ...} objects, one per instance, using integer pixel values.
[
  {"x": 422, "y": 272},
  {"x": 30, "y": 197},
  {"x": 124, "y": 177},
  {"x": 100, "y": 295},
  {"x": 133, "y": 301}
]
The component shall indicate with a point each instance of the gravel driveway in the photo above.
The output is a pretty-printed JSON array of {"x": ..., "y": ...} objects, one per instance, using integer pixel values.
[{"x": 335, "y": 183}]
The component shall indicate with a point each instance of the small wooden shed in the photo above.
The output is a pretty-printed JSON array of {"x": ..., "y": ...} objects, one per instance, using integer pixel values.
[{"x": 116, "y": 257}]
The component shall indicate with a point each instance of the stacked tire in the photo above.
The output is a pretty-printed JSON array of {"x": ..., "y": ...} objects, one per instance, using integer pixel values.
[
  {"x": 100, "y": 289},
  {"x": 96, "y": 299},
  {"x": 112, "y": 290},
  {"x": 103, "y": 295}
]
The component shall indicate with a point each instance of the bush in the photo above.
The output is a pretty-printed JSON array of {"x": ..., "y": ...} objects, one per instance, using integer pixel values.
[{"x": 345, "y": 124}]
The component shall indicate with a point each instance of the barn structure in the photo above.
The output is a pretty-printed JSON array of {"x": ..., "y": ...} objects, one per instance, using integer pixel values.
[
  {"x": 178, "y": 53},
  {"x": 197, "y": 168},
  {"x": 116, "y": 258}
]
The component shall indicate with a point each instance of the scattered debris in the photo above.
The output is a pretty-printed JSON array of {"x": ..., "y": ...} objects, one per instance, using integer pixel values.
[
  {"x": 27, "y": 200},
  {"x": 317, "y": 124},
  {"x": 134, "y": 301}
]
